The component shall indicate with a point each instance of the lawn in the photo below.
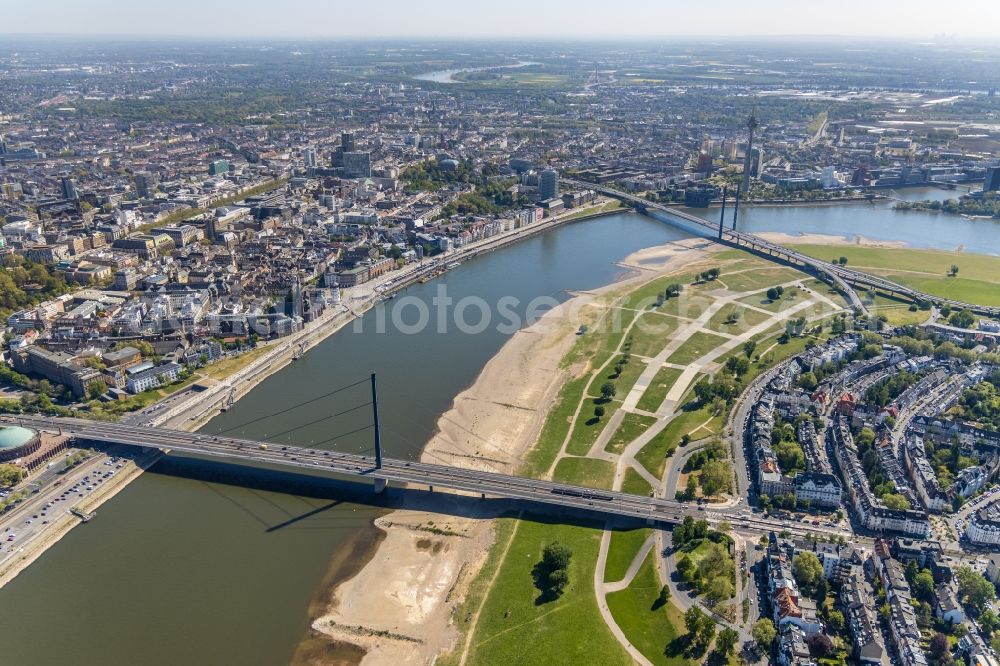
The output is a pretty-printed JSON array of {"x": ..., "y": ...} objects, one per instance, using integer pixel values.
[
  {"x": 746, "y": 319},
  {"x": 695, "y": 347},
  {"x": 648, "y": 628},
  {"x": 927, "y": 270},
  {"x": 651, "y": 333},
  {"x": 624, "y": 546},
  {"x": 653, "y": 455},
  {"x": 634, "y": 483},
  {"x": 761, "y": 277},
  {"x": 516, "y": 628},
  {"x": 554, "y": 430},
  {"x": 228, "y": 366},
  {"x": 787, "y": 300},
  {"x": 632, "y": 426},
  {"x": 588, "y": 472},
  {"x": 614, "y": 204},
  {"x": 897, "y": 313},
  {"x": 657, "y": 390}
]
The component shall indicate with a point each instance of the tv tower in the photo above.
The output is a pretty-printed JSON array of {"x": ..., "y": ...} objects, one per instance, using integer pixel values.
[{"x": 752, "y": 124}]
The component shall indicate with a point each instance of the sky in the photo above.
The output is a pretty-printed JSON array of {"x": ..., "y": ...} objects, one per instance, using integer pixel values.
[{"x": 530, "y": 19}]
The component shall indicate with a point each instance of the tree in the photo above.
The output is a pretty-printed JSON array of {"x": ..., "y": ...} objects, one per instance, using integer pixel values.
[
  {"x": 807, "y": 570},
  {"x": 836, "y": 621},
  {"x": 598, "y": 411},
  {"x": 842, "y": 261},
  {"x": 772, "y": 294},
  {"x": 820, "y": 645},
  {"x": 989, "y": 622},
  {"x": 694, "y": 617},
  {"x": 557, "y": 581},
  {"x": 748, "y": 348},
  {"x": 718, "y": 589},
  {"x": 11, "y": 475},
  {"x": 962, "y": 319},
  {"x": 726, "y": 641},
  {"x": 691, "y": 486},
  {"x": 716, "y": 477},
  {"x": 954, "y": 270},
  {"x": 737, "y": 365},
  {"x": 684, "y": 565},
  {"x": 608, "y": 390},
  {"x": 96, "y": 389},
  {"x": 552, "y": 574},
  {"x": 974, "y": 590},
  {"x": 923, "y": 585},
  {"x": 938, "y": 646},
  {"x": 763, "y": 632},
  {"x": 556, "y": 556}
]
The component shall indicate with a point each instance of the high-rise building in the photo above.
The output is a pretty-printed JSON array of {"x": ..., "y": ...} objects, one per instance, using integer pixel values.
[
  {"x": 347, "y": 142},
  {"x": 218, "y": 167},
  {"x": 992, "y": 183},
  {"x": 309, "y": 156},
  {"x": 357, "y": 165},
  {"x": 548, "y": 184},
  {"x": 69, "y": 189}
]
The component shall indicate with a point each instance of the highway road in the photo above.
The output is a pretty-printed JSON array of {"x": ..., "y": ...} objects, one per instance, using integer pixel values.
[{"x": 486, "y": 484}]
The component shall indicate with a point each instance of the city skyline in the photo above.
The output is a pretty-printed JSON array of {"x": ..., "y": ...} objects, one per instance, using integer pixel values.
[{"x": 516, "y": 19}]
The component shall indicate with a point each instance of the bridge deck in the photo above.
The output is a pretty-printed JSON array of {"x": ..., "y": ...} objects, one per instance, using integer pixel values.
[
  {"x": 489, "y": 484},
  {"x": 841, "y": 276}
]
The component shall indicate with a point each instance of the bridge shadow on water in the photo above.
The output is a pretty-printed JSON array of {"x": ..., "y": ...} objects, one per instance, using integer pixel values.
[{"x": 341, "y": 493}]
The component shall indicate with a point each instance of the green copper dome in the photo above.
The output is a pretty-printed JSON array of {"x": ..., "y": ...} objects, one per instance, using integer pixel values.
[{"x": 12, "y": 437}]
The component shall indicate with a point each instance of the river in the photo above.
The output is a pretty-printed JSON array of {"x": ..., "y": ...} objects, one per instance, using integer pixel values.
[
  {"x": 178, "y": 570},
  {"x": 448, "y": 75},
  {"x": 198, "y": 563},
  {"x": 878, "y": 221}
]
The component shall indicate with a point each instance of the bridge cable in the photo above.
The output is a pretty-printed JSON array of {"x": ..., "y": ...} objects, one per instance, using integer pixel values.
[
  {"x": 293, "y": 407},
  {"x": 344, "y": 434},
  {"x": 319, "y": 420}
]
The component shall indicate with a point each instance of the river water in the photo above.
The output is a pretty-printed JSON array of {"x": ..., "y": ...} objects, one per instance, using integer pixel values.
[
  {"x": 878, "y": 221},
  {"x": 448, "y": 75},
  {"x": 181, "y": 570},
  {"x": 200, "y": 563}
]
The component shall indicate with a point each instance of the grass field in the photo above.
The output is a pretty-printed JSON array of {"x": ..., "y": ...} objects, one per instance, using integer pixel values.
[
  {"x": 697, "y": 423},
  {"x": 554, "y": 430},
  {"x": 746, "y": 320},
  {"x": 624, "y": 546},
  {"x": 651, "y": 333},
  {"x": 760, "y": 277},
  {"x": 657, "y": 390},
  {"x": 631, "y": 427},
  {"x": 650, "y": 629},
  {"x": 589, "y": 472},
  {"x": 515, "y": 628},
  {"x": 614, "y": 204},
  {"x": 634, "y": 483},
  {"x": 978, "y": 279},
  {"x": 787, "y": 300},
  {"x": 695, "y": 347}
]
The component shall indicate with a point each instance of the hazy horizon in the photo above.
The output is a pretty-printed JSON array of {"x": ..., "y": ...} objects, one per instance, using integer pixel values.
[{"x": 516, "y": 19}]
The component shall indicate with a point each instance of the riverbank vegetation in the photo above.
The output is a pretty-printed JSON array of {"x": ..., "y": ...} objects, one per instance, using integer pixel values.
[{"x": 981, "y": 204}]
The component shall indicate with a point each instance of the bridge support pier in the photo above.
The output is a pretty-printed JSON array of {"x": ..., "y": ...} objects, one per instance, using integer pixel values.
[{"x": 380, "y": 485}]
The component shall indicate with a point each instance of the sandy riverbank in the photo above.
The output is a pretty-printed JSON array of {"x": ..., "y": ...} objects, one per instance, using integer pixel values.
[
  {"x": 826, "y": 239},
  {"x": 399, "y": 606}
]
